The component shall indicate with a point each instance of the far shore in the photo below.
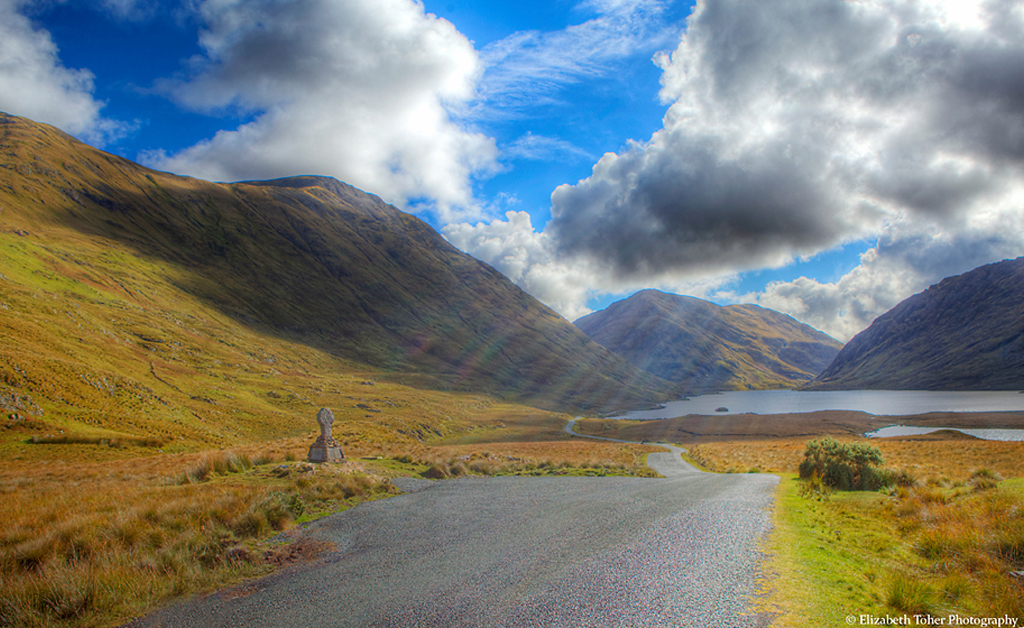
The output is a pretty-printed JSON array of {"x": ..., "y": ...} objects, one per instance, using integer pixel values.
[{"x": 697, "y": 428}]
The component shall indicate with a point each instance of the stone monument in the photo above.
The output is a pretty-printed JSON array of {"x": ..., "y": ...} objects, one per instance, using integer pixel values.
[{"x": 325, "y": 449}]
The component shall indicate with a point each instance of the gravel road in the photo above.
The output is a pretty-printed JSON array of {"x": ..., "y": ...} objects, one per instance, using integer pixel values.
[{"x": 520, "y": 552}]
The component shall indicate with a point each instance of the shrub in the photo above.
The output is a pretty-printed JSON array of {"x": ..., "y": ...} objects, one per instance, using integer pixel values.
[{"x": 844, "y": 466}]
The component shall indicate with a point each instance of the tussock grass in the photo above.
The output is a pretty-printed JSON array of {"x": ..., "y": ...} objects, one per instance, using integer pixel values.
[
  {"x": 78, "y": 439},
  {"x": 920, "y": 549},
  {"x": 567, "y": 456},
  {"x": 96, "y": 544},
  {"x": 910, "y": 596},
  {"x": 488, "y": 464},
  {"x": 943, "y": 462}
]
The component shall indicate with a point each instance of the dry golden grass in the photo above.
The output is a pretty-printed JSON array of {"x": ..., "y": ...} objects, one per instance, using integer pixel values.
[
  {"x": 88, "y": 544},
  {"x": 945, "y": 545},
  {"x": 951, "y": 459},
  {"x": 571, "y": 457},
  {"x": 97, "y": 542},
  {"x": 970, "y": 539}
]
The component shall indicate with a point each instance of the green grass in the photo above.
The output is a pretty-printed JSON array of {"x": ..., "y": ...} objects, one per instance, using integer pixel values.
[
  {"x": 923, "y": 550},
  {"x": 830, "y": 556},
  {"x": 688, "y": 458}
]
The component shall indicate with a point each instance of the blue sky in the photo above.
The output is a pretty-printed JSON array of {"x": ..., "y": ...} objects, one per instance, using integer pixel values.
[{"x": 823, "y": 158}]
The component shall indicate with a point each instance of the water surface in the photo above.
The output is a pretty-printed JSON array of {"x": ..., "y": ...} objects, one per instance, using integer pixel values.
[
  {"x": 876, "y": 402},
  {"x": 913, "y": 430}
]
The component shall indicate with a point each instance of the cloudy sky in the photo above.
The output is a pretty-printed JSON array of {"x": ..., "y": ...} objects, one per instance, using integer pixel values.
[{"x": 825, "y": 158}]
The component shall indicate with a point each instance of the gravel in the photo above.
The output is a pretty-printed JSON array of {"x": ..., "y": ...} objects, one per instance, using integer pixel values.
[{"x": 521, "y": 552}]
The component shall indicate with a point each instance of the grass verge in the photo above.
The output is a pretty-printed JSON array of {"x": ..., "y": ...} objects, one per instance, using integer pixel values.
[{"x": 928, "y": 550}]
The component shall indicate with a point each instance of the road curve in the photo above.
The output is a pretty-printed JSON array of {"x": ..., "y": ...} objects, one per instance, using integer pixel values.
[
  {"x": 520, "y": 552},
  {"x": 668, "y": 464}
]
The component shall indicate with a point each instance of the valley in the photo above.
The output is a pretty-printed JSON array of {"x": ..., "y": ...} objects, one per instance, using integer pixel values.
[{"x": 168, "y": 341}]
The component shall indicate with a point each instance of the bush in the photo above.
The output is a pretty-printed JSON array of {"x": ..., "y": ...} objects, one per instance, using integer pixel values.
[{"x": 845, "y": 466}]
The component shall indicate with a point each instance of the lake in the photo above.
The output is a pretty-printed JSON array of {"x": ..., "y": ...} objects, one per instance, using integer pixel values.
[
  {"x": 876, "y": 402},
  {"x": 912, "y": 430}
]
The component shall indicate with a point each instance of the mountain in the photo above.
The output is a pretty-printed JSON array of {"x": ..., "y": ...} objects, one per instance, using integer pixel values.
[
  {"x": 306, "y": 260},
  {"x": 706, "y": 347},
  {"x": 964, "y": 333}
]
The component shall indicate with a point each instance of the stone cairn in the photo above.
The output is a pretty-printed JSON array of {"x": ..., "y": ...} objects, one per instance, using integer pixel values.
[{"x": 325, "y": 449}]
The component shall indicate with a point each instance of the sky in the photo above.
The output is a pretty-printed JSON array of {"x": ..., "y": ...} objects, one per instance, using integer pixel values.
[{"x": 823, "y": 158}]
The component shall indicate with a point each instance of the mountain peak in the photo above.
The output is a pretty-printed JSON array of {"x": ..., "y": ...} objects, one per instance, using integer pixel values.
[
  {"x": 707, "y": 347},
  {"x": 312, "y": 260},
  {"x": 964, "y": 333}
]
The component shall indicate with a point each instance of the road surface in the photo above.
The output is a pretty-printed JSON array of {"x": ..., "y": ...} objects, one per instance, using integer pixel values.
[{"x": 515, "y": 552}]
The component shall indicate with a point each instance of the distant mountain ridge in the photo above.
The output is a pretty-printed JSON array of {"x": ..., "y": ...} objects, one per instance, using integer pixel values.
[
  {"x": 707, "y": 347},
  {"x": 311, "y": 260},
  {"x": 964, "y": 333}
]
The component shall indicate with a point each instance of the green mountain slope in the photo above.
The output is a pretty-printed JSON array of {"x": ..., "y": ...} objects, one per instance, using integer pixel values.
[
  {"x": 305, "y": 260},
  {"x": 707, "y": 347},
  {"x": 965, "y": 333}
]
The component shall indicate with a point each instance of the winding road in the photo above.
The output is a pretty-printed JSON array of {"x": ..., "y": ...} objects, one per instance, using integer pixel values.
[{"x": 514, "y": 552}]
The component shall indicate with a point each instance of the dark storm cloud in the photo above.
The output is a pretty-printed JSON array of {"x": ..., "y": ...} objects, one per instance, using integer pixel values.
[
  {"x": 797, "y": 125},
  {"x": 687, "y": 207}
]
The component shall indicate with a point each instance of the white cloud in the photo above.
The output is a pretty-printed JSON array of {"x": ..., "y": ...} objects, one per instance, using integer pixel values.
[
  {"x": 542, "y": 148},
  {"x": 529, "y": 69},
  {"x": 527, "y": 257},
  {"x": 531, "y": 260},
  {"x": 798, "y": 126},
  {"x": 908, "y": 258},
  {"x": 356, "y": 89},
  {"x": 34, "y": 82}
]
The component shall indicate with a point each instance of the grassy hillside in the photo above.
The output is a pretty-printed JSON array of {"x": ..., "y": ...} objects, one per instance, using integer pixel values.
[
  {"x": 707, "y": 347},
  {"x": 965, "y": 333},
  {"x": 166, "y": 342},
  {"x": 98, "y": 345},
  {"x": 303, "y": 261}
]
